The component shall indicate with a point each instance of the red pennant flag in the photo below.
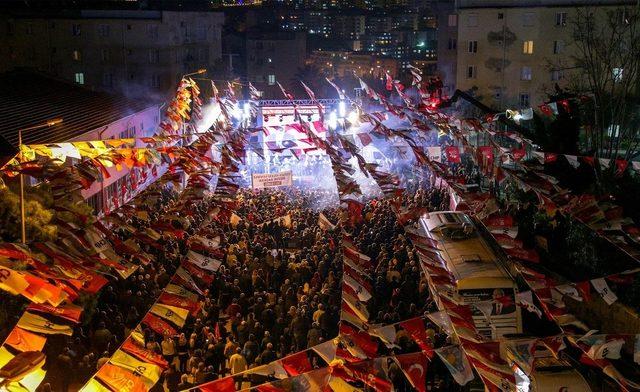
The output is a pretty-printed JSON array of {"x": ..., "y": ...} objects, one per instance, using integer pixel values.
[
  {"x": 143, "y": 354},
  {"x": 546, "y": 110},
  {"x": 524, "y": 254},
  {"x": 518, "y": 153},
  {"x": 621, "y": 166},
  {"x": 415, "y": 328},
  {"x": 565, "y": 105},
  {"x": 367, "y": 372},
  {"x": 180, "y": 302},
  {"x": 550, "y": 157},
  {"x": 499, "y": 221},
  {"x": 414, "y": 366},
  {"x": 226, "y": 384},
  {"x": 297, "y": 363},
  {"x": 453, "y": 154},
  {"x": 590, "y": 161},
  {"x": 158, "y": 325},
  {"x": 69, "y": 312},
  {"x": 358, "y": 340}
]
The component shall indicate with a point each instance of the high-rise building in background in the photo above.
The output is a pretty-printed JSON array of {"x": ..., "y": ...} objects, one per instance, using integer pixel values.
[{"x": 135, "y": 53}]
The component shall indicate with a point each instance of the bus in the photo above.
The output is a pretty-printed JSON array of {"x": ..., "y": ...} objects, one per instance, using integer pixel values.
[{"x": 478, "y": 268}]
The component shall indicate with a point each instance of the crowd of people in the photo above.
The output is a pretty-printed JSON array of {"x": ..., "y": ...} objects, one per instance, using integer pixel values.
[{"x": 277, "y": 292}]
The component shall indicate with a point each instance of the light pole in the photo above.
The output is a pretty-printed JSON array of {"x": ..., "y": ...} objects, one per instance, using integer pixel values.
[{"x": 48, "y": 123}]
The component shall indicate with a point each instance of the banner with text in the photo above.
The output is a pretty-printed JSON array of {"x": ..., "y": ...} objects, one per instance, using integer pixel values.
[{"x": 271, "y": 180}]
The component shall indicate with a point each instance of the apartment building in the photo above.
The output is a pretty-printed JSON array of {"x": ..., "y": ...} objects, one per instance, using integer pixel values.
[
  {"x": 513, "y": 53},
  {"x": 274, "y": 57},
  {"x": 30, "y": 99},
  {"x": 135, "y": 53}
]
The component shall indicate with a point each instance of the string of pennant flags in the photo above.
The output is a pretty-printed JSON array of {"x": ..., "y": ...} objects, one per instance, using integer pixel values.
[{"x": 359, "y": 359}]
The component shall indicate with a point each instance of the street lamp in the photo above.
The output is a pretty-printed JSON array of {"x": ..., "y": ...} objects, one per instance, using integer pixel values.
[{"x": 48, "y": 123}]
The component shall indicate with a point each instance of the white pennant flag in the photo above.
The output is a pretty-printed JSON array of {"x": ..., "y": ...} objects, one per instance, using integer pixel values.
[
  {"x": 603, "y": 289},
  {"x": 601, "y": 348},
  {"x": 525, "y": 299},
  {"x": 456, "y": 361},
  {"x": 203, "y": 262},
  {"x": 573, "y": 160},
  {"x": 386, "y": 333},
  {"x": 636, "y": 166},
  {"x": 604, "y": 162}
]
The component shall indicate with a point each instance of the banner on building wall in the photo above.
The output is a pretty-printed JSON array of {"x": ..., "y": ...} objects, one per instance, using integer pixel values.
[{"x": 271, "y": 180}]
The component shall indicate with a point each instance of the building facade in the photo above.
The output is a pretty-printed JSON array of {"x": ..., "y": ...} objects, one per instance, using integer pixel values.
[
  {"x": 512, "y": 54},
  {"x": 30, "y": 99},
  {"x": 134, "y": 53},
  {"x": 274, "y": 57}
]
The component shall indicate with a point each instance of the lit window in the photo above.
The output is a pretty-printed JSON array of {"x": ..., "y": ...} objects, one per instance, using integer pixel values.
[
  {"x": 77, "y": 55},
  {"x": 79, "y": 78},
  {"x": 473, "y": 46},
  {"x": 527, "y": 47},
  {"x": 471, "y": 72},
  {"x": 453, "y": 20},
  {"x": 616, "y": 74},
  {"x": 525, "y": 73},
  {"x": 561, "y": 18},
  {"x": 271, "y": 79}
]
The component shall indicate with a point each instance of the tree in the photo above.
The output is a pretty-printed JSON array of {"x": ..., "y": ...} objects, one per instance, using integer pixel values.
[
  {"x": 607, "y": 43},
  {"x": 39, "y": 212}
]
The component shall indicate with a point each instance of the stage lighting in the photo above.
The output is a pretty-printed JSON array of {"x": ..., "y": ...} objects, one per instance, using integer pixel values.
[
  {"x": 246, "y": 110},
  {"x": 237, "y": 112},
  {"x": 342, "y": 109},
  {"x": 333, "y": 120}
]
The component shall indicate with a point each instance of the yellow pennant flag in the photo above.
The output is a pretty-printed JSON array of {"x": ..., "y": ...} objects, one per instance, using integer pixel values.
[
  {"x": 12, "y": 281},
  {"x": 176, "y": 315},
  {"x": 29, "y": 383},
  {"x": 337, "y": 384},
  {"x": 35, "y": 323},
  {"x": 149, "y": 371},
  {"x": 94, "y": 386},
  {"x": 5, "y": 356}
]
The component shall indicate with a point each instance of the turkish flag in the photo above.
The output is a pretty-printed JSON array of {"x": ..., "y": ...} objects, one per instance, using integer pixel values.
[
  {"x": 414, "y": 366},
  {"x": 297, "y": 363}
]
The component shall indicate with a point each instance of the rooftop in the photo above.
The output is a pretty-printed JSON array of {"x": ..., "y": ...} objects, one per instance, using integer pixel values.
[{"x": 28, "y": 99}]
